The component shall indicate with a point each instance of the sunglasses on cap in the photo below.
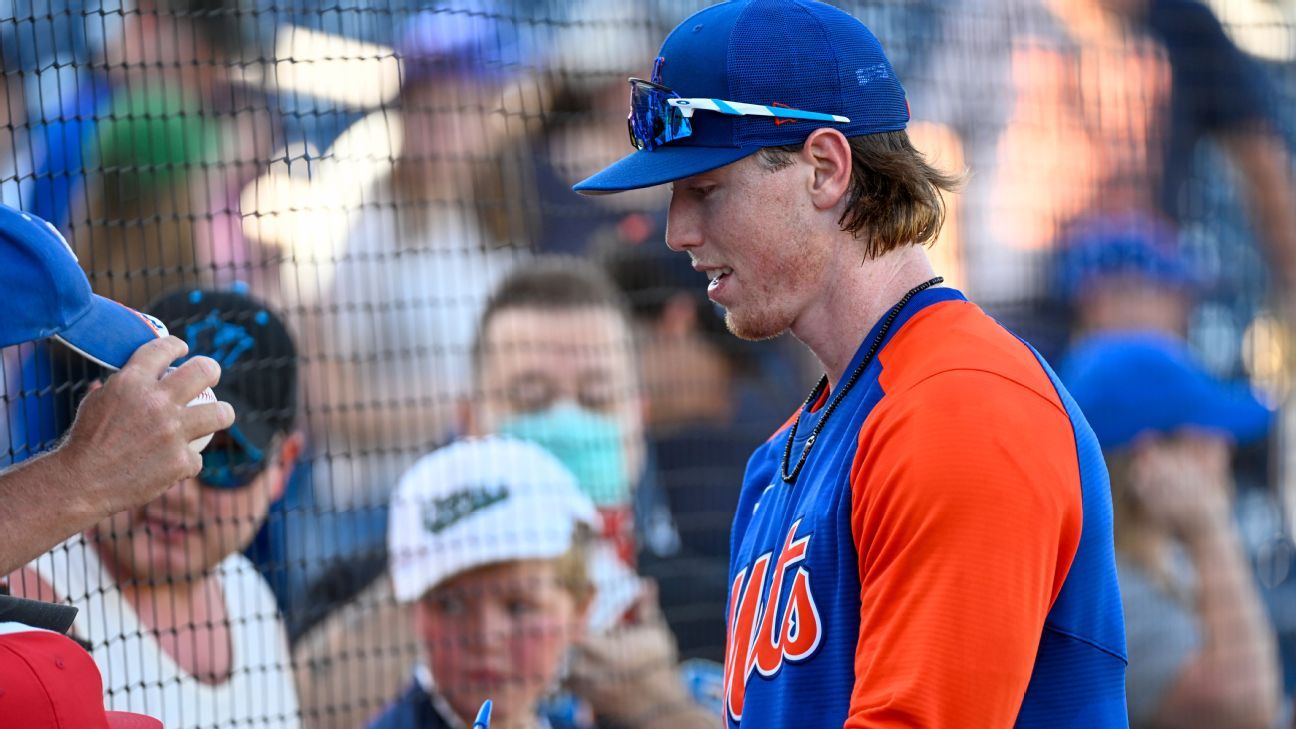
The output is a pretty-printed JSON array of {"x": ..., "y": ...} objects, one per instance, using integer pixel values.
[
  {"x": 660, "y": 116},
  {"x": 233, "y": 463}
]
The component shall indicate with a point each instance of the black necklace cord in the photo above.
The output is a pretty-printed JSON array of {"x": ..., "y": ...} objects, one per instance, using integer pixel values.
[{"x": 845, "y": 388}]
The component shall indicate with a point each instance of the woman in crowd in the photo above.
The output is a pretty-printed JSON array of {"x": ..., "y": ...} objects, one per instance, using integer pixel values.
[{"x": 1201, "y": 649}]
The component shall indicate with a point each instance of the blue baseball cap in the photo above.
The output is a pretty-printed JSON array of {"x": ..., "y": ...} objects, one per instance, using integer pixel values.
[
  {"x": 256, "y": 353},
  {"x": 1132, "y": 383},
  {"x": 49, "y": 296},
  {"x": 471, "y": 42},
  {"x": 1132, "y": 245},
  {"x": 791, "y": 54}
]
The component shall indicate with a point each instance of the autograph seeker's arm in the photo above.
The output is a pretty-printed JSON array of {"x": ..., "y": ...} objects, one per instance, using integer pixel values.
[{"x": 129, "y": 443}]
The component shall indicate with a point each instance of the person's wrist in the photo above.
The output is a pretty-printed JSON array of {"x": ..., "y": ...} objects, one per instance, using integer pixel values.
[{"x": 76, "y": 488}]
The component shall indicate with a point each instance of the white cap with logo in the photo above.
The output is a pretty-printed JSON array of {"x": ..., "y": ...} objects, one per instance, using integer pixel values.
[{"x": 477, "y": 502}]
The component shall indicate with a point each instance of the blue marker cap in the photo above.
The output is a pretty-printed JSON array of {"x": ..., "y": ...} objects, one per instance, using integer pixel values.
[{"x": 483, "y": 716}]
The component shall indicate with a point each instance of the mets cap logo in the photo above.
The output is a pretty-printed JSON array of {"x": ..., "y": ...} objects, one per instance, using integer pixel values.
[
  {"x": 153, "y": 323},
  {"x": 221, "y": 340}
]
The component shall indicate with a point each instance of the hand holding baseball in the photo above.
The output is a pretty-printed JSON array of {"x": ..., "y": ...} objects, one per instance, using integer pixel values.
[
  {"x": 204, "y": 398},
  {"x": 134, "y": 436}
]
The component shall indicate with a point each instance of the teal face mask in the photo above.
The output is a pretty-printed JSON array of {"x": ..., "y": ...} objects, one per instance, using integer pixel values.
[{"x": 587, "y": 443}]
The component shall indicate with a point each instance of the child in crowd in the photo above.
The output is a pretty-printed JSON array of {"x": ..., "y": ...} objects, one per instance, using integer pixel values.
[{"x": 488, "y": 547}]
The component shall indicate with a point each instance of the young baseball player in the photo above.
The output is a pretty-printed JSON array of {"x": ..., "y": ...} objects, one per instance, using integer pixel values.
[{"x": 928, "y": 541}]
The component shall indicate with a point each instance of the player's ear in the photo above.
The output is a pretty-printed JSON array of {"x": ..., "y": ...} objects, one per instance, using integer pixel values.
[
  {"x": 291, "y": 449},
  {"x": 289, "y": 453},
  {"x": 828, "y": 153}
]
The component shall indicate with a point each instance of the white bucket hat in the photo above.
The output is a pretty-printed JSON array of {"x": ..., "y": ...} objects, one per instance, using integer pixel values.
[{"x": 477, "y": 502}]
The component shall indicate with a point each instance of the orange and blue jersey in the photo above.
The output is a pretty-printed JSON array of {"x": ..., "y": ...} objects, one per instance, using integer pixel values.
[{"x": 945, "y": 556}]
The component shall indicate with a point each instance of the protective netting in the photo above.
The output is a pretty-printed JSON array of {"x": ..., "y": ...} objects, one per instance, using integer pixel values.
[{"x": 381, "y": 175}]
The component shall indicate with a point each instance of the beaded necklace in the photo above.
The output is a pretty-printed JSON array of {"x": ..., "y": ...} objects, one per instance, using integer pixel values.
[{"x": 845, "y": 388}]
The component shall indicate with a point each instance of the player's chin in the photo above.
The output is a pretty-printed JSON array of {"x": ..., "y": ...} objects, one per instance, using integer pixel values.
[{"x": 755, "y": 326}]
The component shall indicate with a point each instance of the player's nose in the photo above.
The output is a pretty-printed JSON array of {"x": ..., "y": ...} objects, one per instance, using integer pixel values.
[{"x": 683, "y": 224}]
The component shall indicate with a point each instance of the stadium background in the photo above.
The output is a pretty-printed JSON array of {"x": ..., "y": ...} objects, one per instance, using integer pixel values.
[{"x": 284, "y": 153}]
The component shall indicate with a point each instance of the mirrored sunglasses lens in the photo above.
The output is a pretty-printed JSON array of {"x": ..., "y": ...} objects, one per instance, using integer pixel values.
[
  {"x": 675, "y": 125},
  {"x": 635, "y": 140},
  {"x": 228, "y": 468},
  {"x": 641, "y": 115},
  {"x": 653, "y": 121}
]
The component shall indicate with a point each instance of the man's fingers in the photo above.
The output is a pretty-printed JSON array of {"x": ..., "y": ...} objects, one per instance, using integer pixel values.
[
  {"x": 190, "y": 378},
  {"x": 201, "y": 420},
  {"x": 192, "y": 465},
  {"x": 153, "y": 358}
]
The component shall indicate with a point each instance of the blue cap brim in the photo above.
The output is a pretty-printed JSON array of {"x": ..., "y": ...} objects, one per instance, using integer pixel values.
[
  {"x": 664, "y": 164},
  {"x": 1234, "y": 411},
  {"x": 109, "y": 333}
]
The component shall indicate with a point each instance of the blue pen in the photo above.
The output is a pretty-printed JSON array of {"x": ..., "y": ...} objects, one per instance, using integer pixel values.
[{"x": 483, "y": 716}]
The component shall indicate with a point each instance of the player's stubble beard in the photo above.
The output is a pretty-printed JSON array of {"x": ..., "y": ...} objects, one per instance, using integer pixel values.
[
  {"x": 774, "y": 299},
  {"x": 754, "y": 327}
]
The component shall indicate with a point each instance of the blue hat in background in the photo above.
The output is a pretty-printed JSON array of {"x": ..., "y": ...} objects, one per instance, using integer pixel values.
[
  {"x": 465, "y": 40},
  {"x": 1134, "y": 246},
  {"x": 797, "y": 54},
  {"x": 49, "y": 296},
  {"x": 1131, "y": 383}
]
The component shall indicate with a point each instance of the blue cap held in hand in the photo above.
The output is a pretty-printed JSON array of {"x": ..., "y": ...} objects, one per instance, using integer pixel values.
[
  {"x": 48, "y": 295},
  {"x": 1132, "y": 383},
  {"x": 747, "y": 74}
]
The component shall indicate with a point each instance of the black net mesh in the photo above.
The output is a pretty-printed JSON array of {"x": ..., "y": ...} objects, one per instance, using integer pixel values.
[{"x": 392, "y": 180}]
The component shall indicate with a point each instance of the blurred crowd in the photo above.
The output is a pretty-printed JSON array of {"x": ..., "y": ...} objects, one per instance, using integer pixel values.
[{"x": 454, "y": 376}]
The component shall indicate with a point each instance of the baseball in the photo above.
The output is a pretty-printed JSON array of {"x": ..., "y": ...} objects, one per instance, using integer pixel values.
[{"x": 204, "y": 397}]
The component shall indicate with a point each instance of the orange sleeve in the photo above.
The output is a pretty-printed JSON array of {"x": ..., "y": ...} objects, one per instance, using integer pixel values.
[{"x": 966, "y": 513}]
